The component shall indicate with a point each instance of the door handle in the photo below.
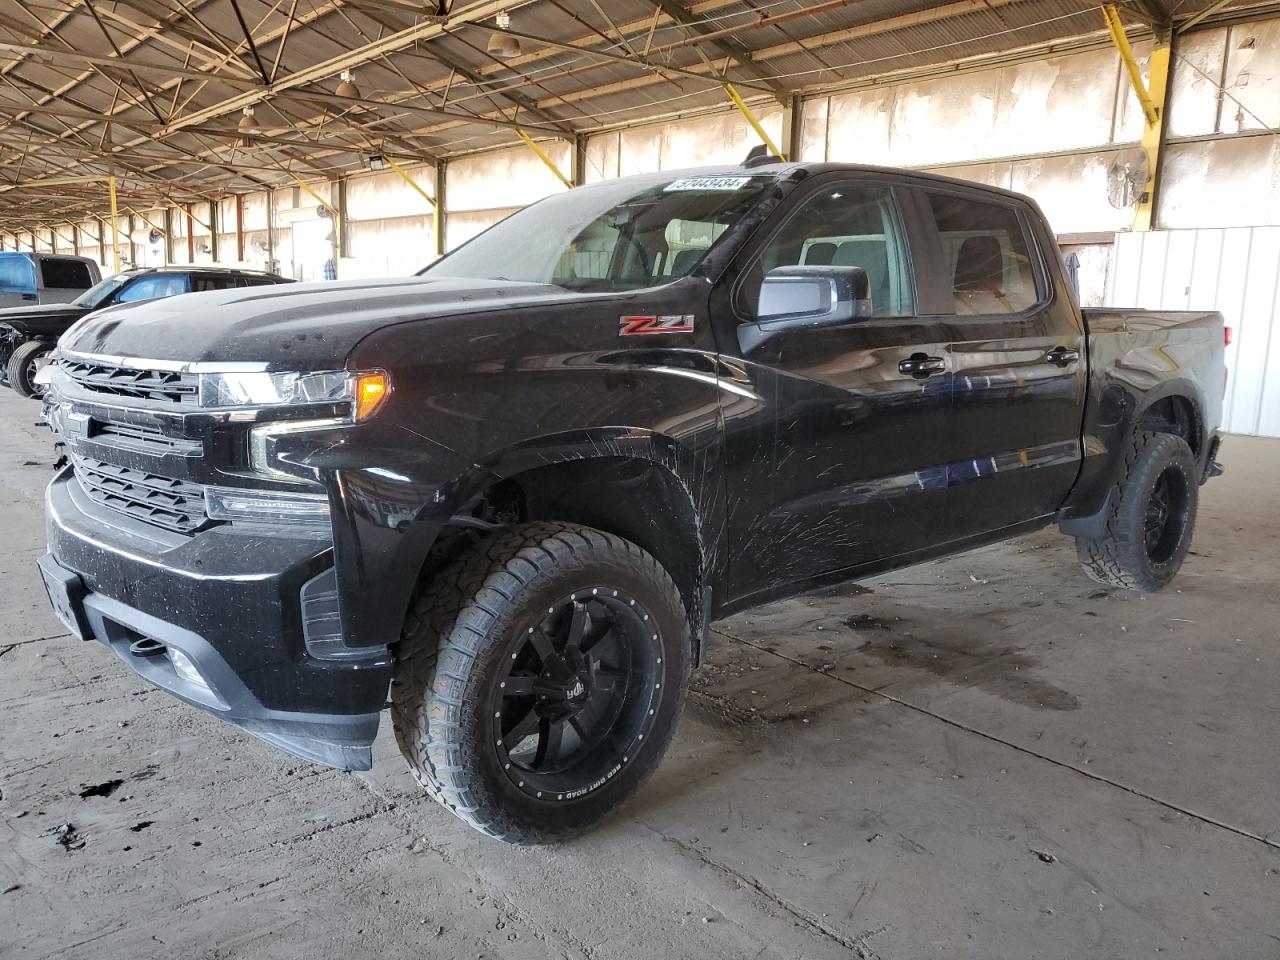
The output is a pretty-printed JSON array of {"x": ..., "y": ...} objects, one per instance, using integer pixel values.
[
  {"x": 920, "y": 365},
  {"x": 1062, "y": 356}
]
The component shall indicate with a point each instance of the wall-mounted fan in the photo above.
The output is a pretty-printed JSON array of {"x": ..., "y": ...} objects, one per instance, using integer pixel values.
[{"x": 1127, "y": 178}]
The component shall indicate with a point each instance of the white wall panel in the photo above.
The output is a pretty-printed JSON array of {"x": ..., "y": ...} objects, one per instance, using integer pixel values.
[
  {"x": 1235, "y": 271},
  {"x": 506, "y": 178},
  {"x": 1193, "y": 107},
  {"x": 1220, "y": 183},
  {"x": 1252, "y": 78},
  {"x": 858, "y": 127}
]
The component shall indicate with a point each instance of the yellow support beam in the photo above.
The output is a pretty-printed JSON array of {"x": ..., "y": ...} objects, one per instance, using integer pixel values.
[
  {"x": 755, "y": 123},
  {"x": 318, "y": 199},
  {"x": 115, "y": 225},
  {"x": 435, "y": 207},
  {"x": 542, "y": 155},
  {"x": 1151, "y": 95},
  {"x": 1112, "y": 16}
]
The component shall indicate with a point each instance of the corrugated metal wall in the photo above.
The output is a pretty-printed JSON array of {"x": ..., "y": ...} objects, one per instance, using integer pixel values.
[{"x": 1234, "y": 270}]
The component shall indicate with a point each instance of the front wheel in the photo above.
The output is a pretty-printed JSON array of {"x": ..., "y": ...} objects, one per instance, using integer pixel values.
[
  {"x": 1150, "y": 519},
  {"x": 24, "y": 363},
  {"x": 539, "y": 679}
]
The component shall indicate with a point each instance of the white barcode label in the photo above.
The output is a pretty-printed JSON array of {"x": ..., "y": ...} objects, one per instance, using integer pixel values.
[{"x": 708, "y": 183}]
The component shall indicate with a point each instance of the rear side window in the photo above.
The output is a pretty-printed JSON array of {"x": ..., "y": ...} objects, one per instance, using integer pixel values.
[
  {"x": 66, "y": 274},
  {"x": 16, "y": 272},
  {"x": 153, "y": 287},
  {"x": 986, "y": 256},
  {"x": 201, "y": 283}
]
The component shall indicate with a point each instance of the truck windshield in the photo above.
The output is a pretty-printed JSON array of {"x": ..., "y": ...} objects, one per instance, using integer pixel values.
[
  {"x": 100, "y": 291},
  {"x": 614, "y": 236}
]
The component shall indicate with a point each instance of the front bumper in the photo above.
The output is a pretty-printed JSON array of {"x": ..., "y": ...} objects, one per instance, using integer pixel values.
[{"x": 230, "y": 601}]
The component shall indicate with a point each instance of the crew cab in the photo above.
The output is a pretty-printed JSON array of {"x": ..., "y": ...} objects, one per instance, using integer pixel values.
[
  {"x": 28, "y": 334},
  {"x": 516, "y": 489}
]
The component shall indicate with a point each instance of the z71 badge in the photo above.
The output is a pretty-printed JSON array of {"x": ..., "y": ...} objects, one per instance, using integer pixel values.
[{"x": 640, "y": 326}]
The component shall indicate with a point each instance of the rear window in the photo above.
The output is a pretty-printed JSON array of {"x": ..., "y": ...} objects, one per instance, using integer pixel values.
[
  {"x": 986, "y": 256},
  {"x": 65, "y": 274},
  {"x": 16, "y": 272}
]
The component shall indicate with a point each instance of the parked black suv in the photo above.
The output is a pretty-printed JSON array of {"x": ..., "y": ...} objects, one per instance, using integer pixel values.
[
  {"x": 28, "y": 334},
  {"x": 518, "y": 488}
]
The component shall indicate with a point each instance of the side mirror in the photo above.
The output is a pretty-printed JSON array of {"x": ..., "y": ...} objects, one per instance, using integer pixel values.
[{"x": 817, "y": 296}]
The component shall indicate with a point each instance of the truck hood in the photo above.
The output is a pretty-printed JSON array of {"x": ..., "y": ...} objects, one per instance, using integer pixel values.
[
  {"x": 42, "y": 319},
  {"x": 304, "y": 326}
]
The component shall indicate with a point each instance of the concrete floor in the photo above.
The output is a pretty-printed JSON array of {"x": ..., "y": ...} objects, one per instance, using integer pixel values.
[{"x": 985, "y": 757}]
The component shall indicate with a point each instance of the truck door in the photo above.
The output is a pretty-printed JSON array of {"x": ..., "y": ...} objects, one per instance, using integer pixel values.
[
  {"x": 832, "y": 433},
  {"x": 1016, "y": 352}
]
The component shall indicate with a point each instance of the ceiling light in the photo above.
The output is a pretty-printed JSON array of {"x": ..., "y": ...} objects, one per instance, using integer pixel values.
[
  {"x": 376, "y": 161},
  {"x": 502, "y": 44},
  {"x": 247, "y": 123},
  {"x": 347, "y": 87}
]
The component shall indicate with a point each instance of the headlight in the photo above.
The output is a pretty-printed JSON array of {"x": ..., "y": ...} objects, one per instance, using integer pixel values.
[
  {"x": 365, "y": 391},
  {"x": 262, "y": 389}
]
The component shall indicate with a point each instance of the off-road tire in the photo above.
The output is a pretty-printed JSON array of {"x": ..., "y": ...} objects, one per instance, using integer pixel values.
[
  {"x": 20, "y": 369},
  {"x": 460, "y": 625},
  {"x": 1120, "y": 556}
]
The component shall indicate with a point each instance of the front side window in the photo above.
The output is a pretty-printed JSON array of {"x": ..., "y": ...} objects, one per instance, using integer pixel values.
[
  {"x": 615, "y": 236},
  {"x": 65, "y": 274},
  {"x": 100, "y": 294},
  {"x": 153, "y": 287},
  {"x": 985, "y": 256},
  {"x": 845, "y": 225}
]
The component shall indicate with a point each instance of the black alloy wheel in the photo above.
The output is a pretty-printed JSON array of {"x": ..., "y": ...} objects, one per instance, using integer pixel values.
[
  {"x": 581, "y": 690},
  {"x": 1149, "y": 517},
  {"x": 1165, "y": 516}
]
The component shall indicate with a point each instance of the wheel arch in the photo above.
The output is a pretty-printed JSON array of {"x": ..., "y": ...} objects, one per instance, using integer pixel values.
[{"x": 636, "y": 484}]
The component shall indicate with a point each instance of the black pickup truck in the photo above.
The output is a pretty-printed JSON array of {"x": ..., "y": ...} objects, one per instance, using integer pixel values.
[{"x": 516, "y": 489}]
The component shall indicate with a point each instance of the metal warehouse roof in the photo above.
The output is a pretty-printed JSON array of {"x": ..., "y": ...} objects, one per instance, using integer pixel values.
[{"x": 154, "y": 90}]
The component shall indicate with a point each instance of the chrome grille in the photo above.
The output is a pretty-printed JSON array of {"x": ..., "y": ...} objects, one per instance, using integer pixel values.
[
  {"x": 129, "y": 436},
  {"x": 173, "y": 504},
  {"x": 118, "y": 381}
]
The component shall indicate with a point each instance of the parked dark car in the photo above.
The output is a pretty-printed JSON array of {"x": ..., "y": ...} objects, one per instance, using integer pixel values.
[
  {"x": 28, "y": 334},
  {"x": 517, "y": 489},
  {"x": 35, "y": 278}
]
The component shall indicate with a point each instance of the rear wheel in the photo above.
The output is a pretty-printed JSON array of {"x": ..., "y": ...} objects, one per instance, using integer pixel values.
[
  {"x": 24, "y": 363},
  {"x": 1150, "y": 519},
  {"x": 539, "y": 679}
]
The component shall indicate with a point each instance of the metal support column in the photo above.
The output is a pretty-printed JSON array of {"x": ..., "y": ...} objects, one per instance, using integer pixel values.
[
  {"x": 442, "y": 207},
  {"x": 1153, "y": 96},
  {"x": 168, "y": 235},
  {"x": 341, "y": 230},
  {"x": 239, "y": 228},
  {"x": 792, "y": 124},
  {"x": 579, "y": 171},
  {"x": 215, "y": 253}
]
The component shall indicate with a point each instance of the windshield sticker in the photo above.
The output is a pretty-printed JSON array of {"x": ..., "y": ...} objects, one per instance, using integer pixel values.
[
  {"x": 642, "y": 326},
  {"x": 708, "y": 183}
]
